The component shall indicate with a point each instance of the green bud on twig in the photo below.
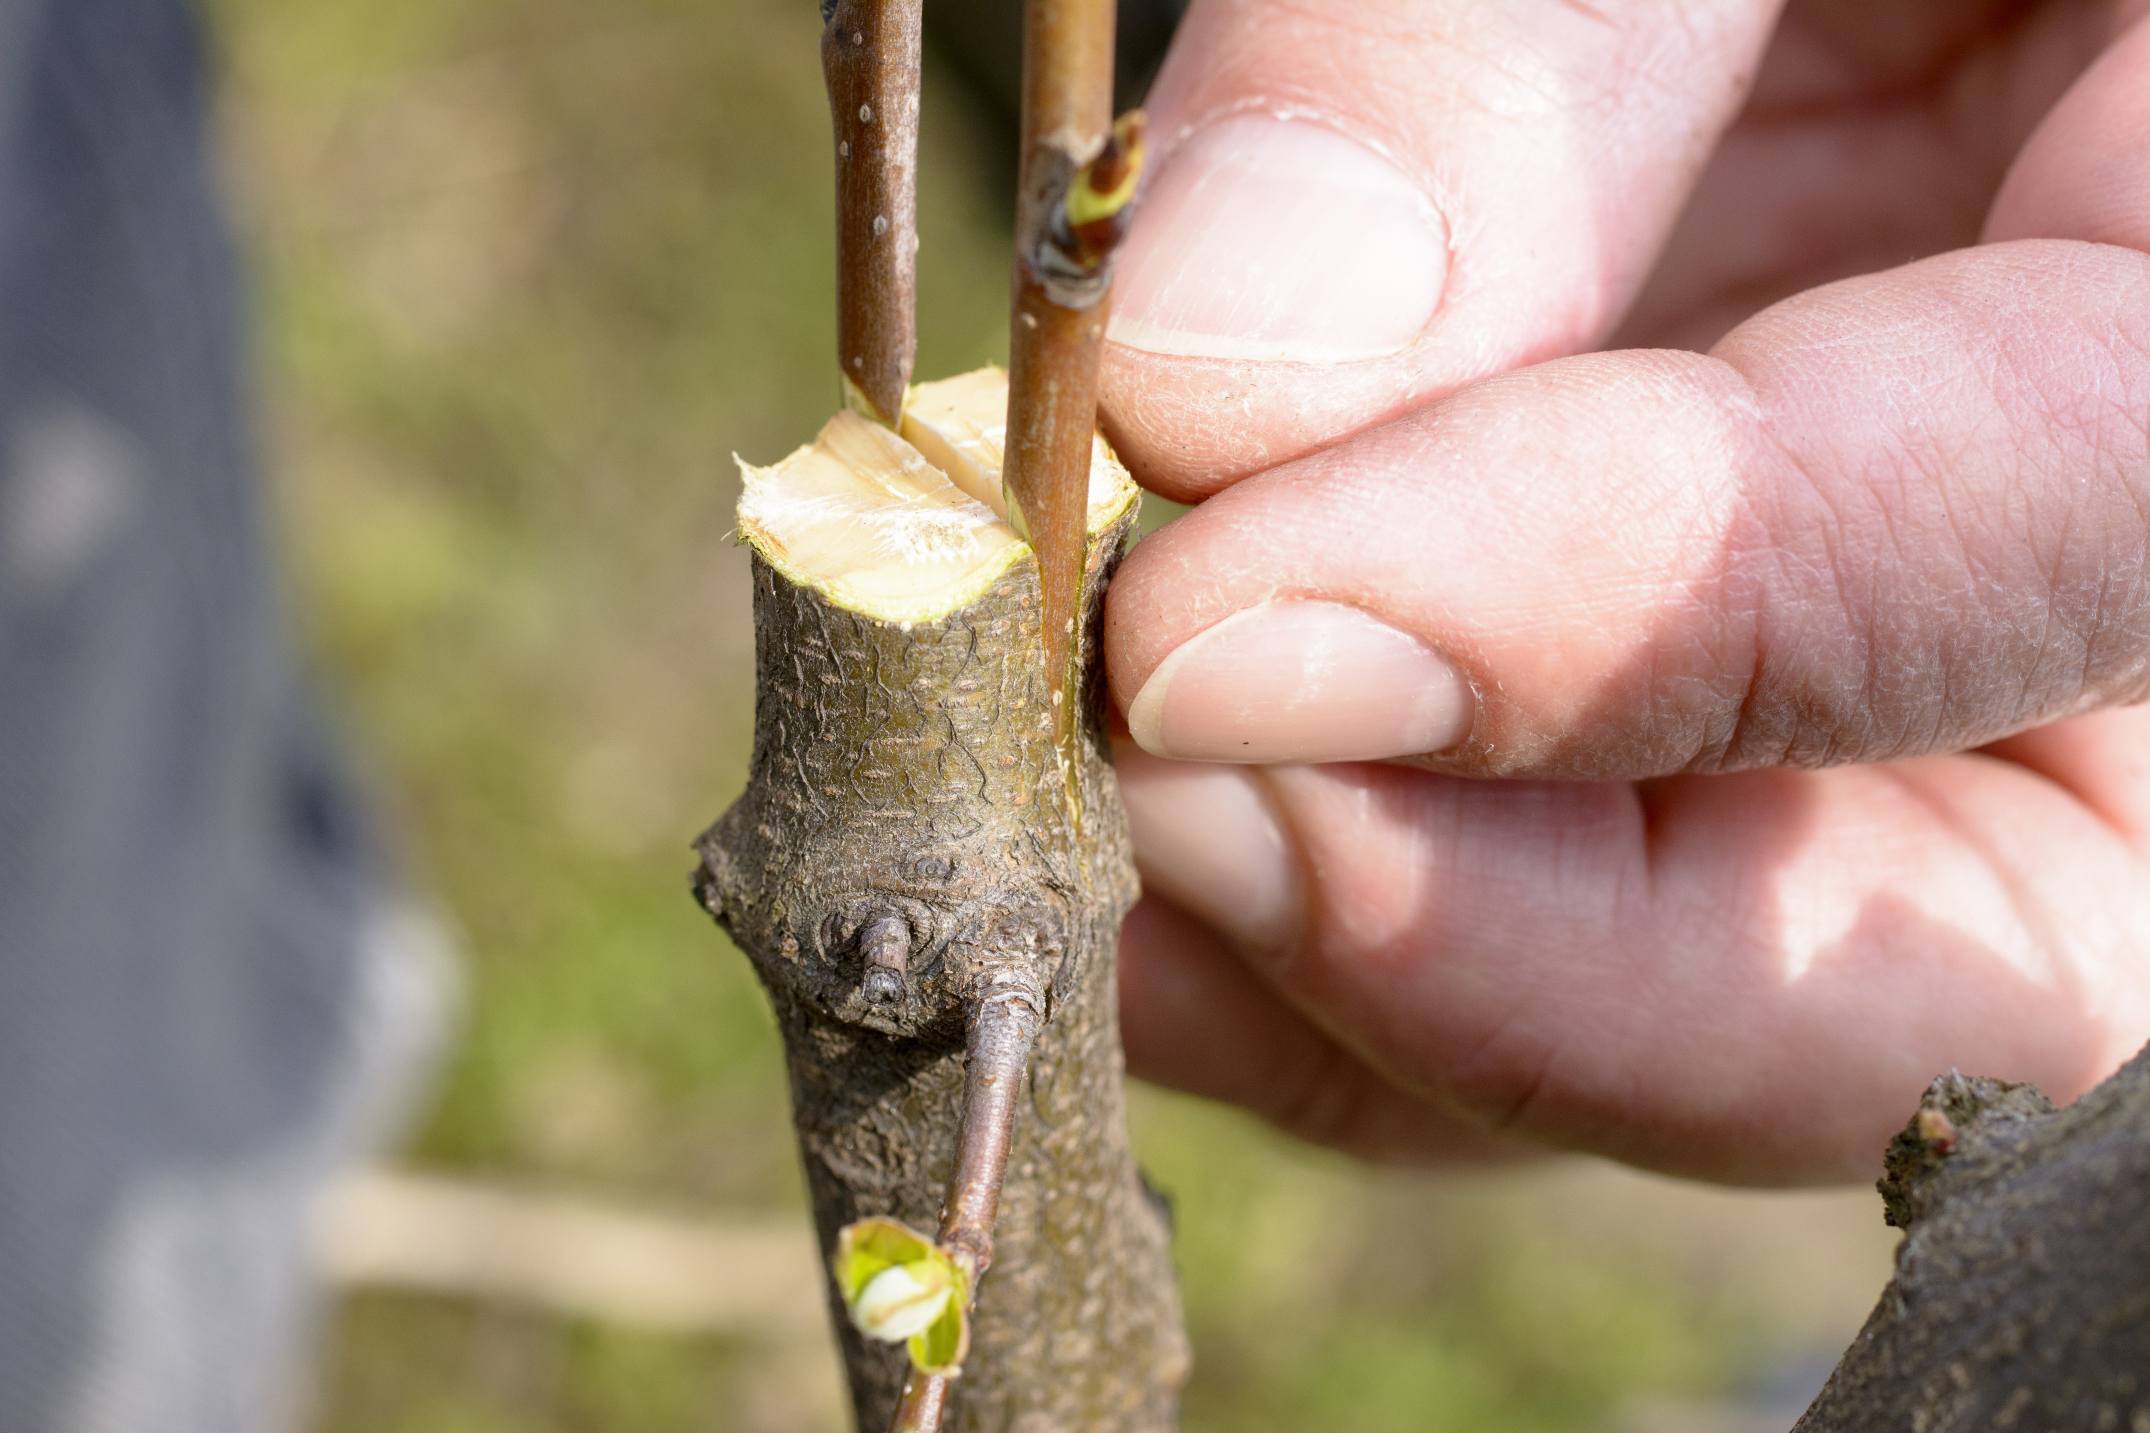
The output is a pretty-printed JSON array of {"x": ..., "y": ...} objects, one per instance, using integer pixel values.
[{"x": 900, "y": 1287}]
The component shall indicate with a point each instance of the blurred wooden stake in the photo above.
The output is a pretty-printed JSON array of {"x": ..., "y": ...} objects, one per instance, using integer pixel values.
[{"x": 570, "y": 1257}]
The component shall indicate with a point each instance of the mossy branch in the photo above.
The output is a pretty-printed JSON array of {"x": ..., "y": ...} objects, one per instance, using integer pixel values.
[{"x": 2022, "y": 1289}]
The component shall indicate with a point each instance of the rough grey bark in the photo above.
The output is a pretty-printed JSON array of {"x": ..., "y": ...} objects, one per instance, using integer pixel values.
[
  {"x": 909, "y": 773},
  {"x": 2022, "y": 1291}
]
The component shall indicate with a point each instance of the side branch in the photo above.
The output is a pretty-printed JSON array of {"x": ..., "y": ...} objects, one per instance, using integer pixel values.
[
  {"x": 1003, "y": 1027},
  {"x": 870, "y": 56},
  {"x": 1002, "y": 1030}
]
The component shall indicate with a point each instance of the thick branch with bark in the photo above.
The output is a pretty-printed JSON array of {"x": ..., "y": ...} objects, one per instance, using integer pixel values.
[
  {"x": 2022, "y": 1290},
  {"x": 902, "y": 863}
]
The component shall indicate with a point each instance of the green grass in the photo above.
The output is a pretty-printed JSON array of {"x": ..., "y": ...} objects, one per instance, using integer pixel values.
[{"x": 530, "y": 271}]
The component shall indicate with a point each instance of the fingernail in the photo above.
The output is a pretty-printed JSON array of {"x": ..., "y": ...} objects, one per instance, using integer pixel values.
[
  {"x": 1301, "y": 681},
  {"x": 1272, "y": 238},
  {"x": 1206, "y": 841}
]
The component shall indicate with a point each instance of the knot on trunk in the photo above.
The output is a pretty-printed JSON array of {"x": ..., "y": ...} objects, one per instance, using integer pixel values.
[
  {"x": 903, "y": 946},
  {"x": 1963, "y": 1132}
]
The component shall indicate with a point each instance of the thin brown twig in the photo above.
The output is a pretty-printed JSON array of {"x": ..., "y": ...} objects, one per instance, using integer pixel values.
[
  {"x": 923, "y": 1405},
  {"x": 1057, "y": 331},
  {"x": 870, "y": 55},
  {"x": 1002, "y": 1030},
  {"x": 1004, "y": 1025}
]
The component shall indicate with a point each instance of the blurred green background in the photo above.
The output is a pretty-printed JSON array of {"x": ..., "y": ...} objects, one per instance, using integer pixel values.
[{"x": 528, "y": 274}]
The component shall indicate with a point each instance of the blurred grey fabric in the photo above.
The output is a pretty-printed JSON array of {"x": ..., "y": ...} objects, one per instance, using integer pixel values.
[{"x": 207, "y": 995}]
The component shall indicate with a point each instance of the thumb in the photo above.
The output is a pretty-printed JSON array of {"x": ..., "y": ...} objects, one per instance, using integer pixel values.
[{"x": 1360, "y": 203}]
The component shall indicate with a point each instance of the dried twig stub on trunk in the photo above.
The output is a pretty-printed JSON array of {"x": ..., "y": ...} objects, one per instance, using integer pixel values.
[{"x": 903, "y": 771}]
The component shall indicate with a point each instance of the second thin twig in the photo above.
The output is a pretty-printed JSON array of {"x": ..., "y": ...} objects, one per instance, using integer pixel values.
[
  {"x": 1057, "y": 330},
  {"x": 870, "y": 56}
]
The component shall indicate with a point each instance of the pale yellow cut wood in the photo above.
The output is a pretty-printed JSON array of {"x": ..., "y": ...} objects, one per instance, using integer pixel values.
[
  {"x": 961, "y": 425},
  {"x": 905, "y": 529}
]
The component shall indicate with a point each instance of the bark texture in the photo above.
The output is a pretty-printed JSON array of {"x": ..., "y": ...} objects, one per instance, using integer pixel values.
[
  {"x": 2022, "y": 1291},
  {"x": 908, "y": 773}
]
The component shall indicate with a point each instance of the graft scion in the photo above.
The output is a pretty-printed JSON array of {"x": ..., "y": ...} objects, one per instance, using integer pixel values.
[
  {"x": 870, "y": 55},
  {"x": 1078, "y": 176}
]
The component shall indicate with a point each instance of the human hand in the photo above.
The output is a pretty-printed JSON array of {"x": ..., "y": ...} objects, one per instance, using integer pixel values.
[{"x": 1804, "y": 660}]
